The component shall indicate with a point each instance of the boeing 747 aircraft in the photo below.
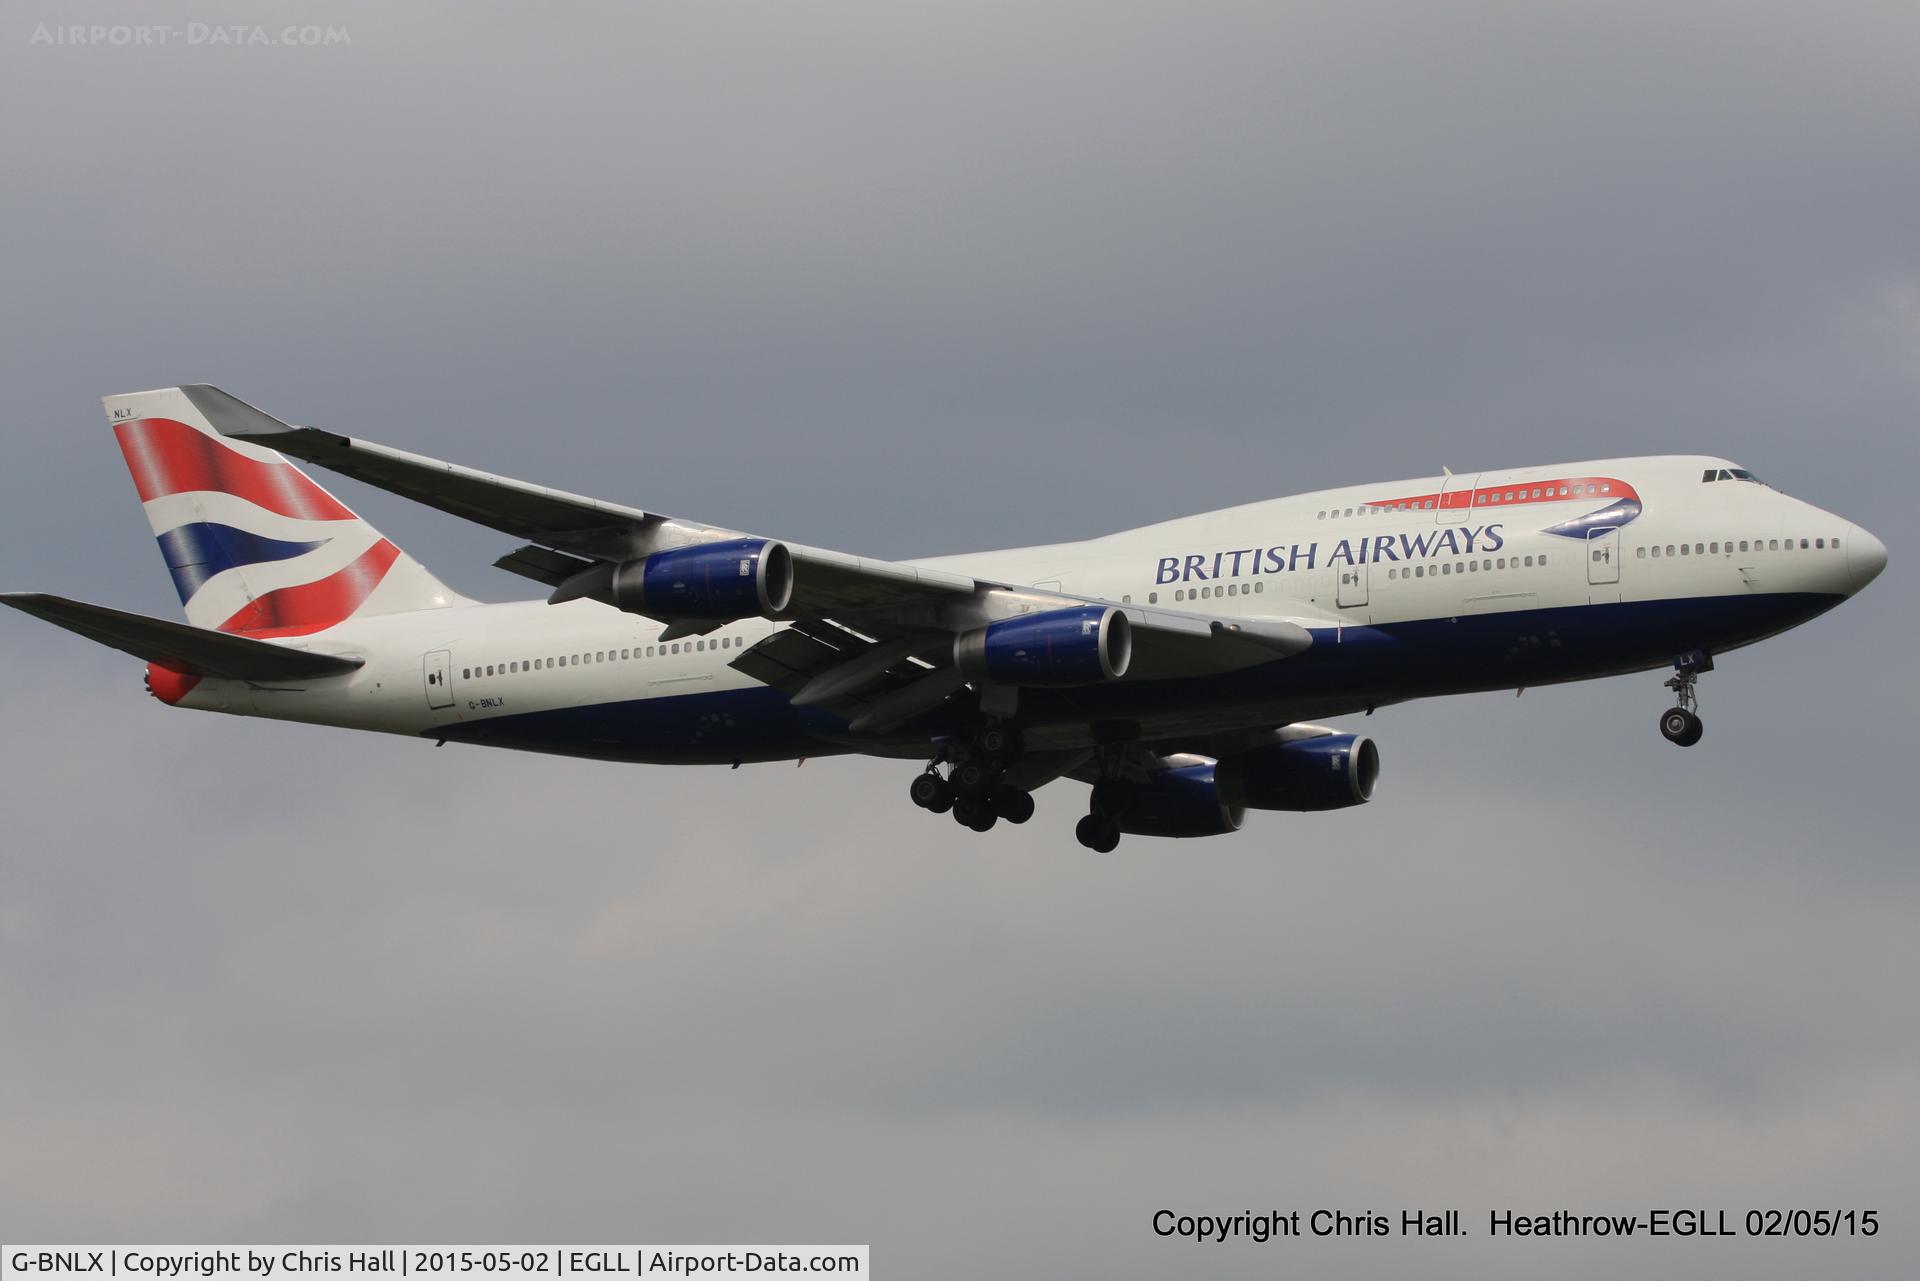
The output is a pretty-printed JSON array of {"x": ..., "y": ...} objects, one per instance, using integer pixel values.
[{"x": 1176, "y": 668}]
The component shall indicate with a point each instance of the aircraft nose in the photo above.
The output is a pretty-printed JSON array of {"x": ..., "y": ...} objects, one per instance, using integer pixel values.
[{"x": 1866, "y": 557}]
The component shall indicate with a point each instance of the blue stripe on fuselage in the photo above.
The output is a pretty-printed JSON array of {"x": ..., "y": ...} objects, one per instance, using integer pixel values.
[{"x": 1345, "y": 670}]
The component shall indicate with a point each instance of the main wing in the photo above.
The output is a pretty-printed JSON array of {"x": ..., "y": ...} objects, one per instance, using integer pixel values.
[{"x": 873, "y": 640}]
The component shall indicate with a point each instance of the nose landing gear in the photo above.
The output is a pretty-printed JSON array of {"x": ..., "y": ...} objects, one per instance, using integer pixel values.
[{"x": 1680, "y": 724}]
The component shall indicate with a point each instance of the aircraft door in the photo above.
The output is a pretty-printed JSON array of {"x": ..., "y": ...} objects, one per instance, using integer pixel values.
[
  {"x": 437, "y": 670},
  {"x": 1603, "y": 556},
  {"x": 1352, "y": 588},
  {"x": 1456, "y": 499}
]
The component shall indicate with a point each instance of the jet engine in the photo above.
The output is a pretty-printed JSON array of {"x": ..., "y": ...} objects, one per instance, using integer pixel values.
[
  {"x": 740, "y": 578},
  {"x": 1326, "y": 773},
  {"x": 1080, "y": 646},
  {"x": 1181, "y": 801}
]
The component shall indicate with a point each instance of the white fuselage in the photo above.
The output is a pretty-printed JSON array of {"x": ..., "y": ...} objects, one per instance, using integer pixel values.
[{"x": 1474, "y": 591}]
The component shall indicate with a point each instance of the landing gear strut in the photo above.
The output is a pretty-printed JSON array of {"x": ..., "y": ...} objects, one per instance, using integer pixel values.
[
  {"x": 1680, "y": 724},
  {"x": 1100, "y": 829}
]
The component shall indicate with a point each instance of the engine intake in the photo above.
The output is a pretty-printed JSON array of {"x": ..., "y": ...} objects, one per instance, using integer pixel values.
[
  {"x": 1326, "y": 773},
  {"x": 735, "y": 579},
  {"x": 1081, "y": 646}
]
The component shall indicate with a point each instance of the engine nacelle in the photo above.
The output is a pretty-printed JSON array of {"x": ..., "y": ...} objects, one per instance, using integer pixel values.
[
  {"x": 1182, "y": 801},
  {"x": 1326, "y": 773},
  {"x": 1081, "y": 646},
  {"x": 740, "y": 578}
]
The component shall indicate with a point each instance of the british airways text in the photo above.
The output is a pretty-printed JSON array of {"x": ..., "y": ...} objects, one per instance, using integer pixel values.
[{"x": 1242, "y": 562}]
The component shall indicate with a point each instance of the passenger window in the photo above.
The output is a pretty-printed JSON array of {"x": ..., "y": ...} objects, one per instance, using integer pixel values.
[
  {"x": 1543, "y": 559},
  {"x": 1820, "y": 544},
  {"x": 1699, "y": 549},
  {"x": 1126, "y": 600},
  {"x": 1743, "y": 544},
  {"x": 466, "y": 673},
  {"x": 1261, "y": 587},
  {"x": 1773, "y": 544},
  {"x": 1683, "y": 549},
  {"x": 1529, "y": 562},
  {"x": 1153, "y": 598},
  {"x": 1803, "y": 544},
  {"x": 1474, "y": 566},
  {"x": 1501, "y": 563},
  {"x": 1640, "y": 553},
  {"x": 1447, "y": 568}
]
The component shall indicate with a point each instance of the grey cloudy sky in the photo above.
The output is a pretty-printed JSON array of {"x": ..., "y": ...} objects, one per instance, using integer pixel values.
[{"x": 909, "y": 279}]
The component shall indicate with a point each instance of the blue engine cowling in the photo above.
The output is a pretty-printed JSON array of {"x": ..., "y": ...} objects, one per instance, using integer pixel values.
[
  {"x": 740, "y": 578},
  {"x": 1080, "y": 646},
  {"x": 1182, "y": 801},
  {"x": 1326, "y": 773}
]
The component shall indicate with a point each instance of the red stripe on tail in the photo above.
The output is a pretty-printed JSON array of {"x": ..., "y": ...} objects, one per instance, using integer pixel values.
[
  {"x": 314, "y": 607},
  {"x": 168, "y": 457}
]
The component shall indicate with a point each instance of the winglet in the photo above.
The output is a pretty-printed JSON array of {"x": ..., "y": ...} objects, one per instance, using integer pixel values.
[{"x": 231, "y": 416}]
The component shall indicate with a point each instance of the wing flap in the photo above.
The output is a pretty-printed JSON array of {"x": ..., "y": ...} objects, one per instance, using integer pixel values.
[{"x": 194, "y": 651}]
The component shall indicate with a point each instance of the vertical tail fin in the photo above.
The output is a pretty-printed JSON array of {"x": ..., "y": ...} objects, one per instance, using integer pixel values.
[{"x": 255, "y": 547}]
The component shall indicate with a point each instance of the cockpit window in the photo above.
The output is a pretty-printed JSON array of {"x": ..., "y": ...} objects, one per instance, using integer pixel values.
[{"x": 1728, "y": 473}]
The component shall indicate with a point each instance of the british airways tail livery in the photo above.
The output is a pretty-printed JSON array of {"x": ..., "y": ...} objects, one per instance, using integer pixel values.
[{"x": 1176, "y": 668}]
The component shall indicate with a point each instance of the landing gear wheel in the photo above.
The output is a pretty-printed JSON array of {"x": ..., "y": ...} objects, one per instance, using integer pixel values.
[
  {"x": 930, "y": 792},
  {"x": 972, "y": 778},
  {"x": 1013, "y": 804},
  {"x": 996, "y": 742},
  {"x": 1098, "y": 832},
  {"x": 967, "y": 811},
  {"x": 984, "y": 820},
  {"x": 1681, "y": 726}
]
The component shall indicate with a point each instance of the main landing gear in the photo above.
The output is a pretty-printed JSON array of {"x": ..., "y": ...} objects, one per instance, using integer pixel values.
[
  {"x": 1680, "y": 724},
  {"x": 974, "y": 789},
  {"x": 1099, "y": 831}
]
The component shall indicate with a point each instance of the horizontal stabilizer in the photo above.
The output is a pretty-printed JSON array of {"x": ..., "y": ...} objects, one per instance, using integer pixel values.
[{"x": 193, "y": 651}]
